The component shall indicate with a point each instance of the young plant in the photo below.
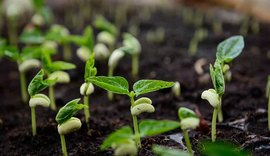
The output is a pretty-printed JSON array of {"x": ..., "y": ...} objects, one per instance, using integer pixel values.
[
  {"x": 35, "y": 87},
  {"x": 134, "y": 49},
  {"x": 66, "y": 122},
  {"x": 43, "y": 15},
  {"x": 268, "y": 96},
  {"x": 54, "y": 70},
  {"x": 26, "y": 60},
  {"x": 199, "y": 35},
  {"x": 119, "y": 85},
  {"x": 166, "y": 151},
  {"x": 87, "y": 87},
  {"x": 122, "y": 140},
  {"x": 188, "y": 120}
]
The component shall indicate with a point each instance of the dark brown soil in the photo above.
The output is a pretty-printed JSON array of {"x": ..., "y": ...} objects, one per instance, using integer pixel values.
[{"x": 244, "y": 103}]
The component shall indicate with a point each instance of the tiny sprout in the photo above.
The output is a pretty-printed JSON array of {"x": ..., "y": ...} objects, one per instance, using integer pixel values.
[
  {"x": 83, "y": 53},
  {"x": 268, "y": 96},
  {"x": 176, "y": 89},
  {"x": 60, "y": 76},
  {"x": 29, "y": 64},
  {"x": 66, "y": 122},
  {"x": 125, "y": 148},
  {"x": 106, "y": 38},
  {"x": 188, "y": 120},
  {"x": 199, "y": 35},
  {"x": 86, "y": 89},
  {"x": 141, "y": 105},
  {"x": 101, "y": 52}
]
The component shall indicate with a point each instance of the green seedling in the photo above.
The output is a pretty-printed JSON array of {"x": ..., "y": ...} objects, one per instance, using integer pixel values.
[
  {"x": 199, "y": 35},
  {"x": 156, "y": 36},
  {"x": 26, "y": 60},
  {"x": 102, "y": 52},
  {"x": 3, "y": 44},
  {"x": 60, "y": 34},
  {"x": 66, "y": 122},
  {"x": 255, "y": 26},
  {"x": 13, "y": 11},
  {"x": 176, "y": 89},
  {"x": 166, "y": 151},
  {"x": 119, "y": 85},
  {"x": 188, "y": 120},
  {"x": 54, "y": 70},
  {"x": 43, "y": 15},
  {"x": 268, "y": 96},
  {"x": 37, "y": 85},
  {"x": 87, "y": 87},
  {"x": 226, "y": 52},
  {"x": 122, "y": 140},
  {"x": 134, "y": 48},
  {"x": 244, "y": 25},
  {"x": 31, "y": 35},
  {"x": 217, "y": 26}
]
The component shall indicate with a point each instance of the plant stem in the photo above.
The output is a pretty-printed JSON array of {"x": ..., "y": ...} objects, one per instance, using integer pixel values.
[
  {"x": 110, "y": 94},
  {"x": 188, "y": 144},
  {"x": 86, "y": 109},
  {"x": 33, "y": 117},
  {"x": 135, "y": 65},
  {"x": 135, "y": 125},
  {"x": 51, "y": 96},
  {"x": 63, "y": 145},
  {"x": 23, "y": 87},
  {"x": 12, "y": 30},
  {"x": 220, "y": 113},
  {"x": 67, "y": 52},
  {"x": 214, "y": 122},
  {"x": 269, "y": 112}
]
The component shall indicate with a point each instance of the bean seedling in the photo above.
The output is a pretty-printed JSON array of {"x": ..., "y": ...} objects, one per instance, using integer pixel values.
[
  {"x": 35, "y": 87},
  {"x": 66, "y": 122},
  {"x": 119, "y": 85}
]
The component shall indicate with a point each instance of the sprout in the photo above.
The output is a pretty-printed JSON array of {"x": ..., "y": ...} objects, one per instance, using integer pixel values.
[
  {"x": 83, "y": 53},
  {"x": 212, "y": 97},
  {"x": 199, "y": 35},
  {"x": 101, "y": 52},
  {"x": 119, "y": 85},
  {"x": 176, "y": 89},
  {"x": 29, "y": 64},
  {"x": 87, "y": 87},
  {"x": 126, "y": 148},
  {"x": 37, "y": 85},
  {"x": 43, "y": 15},
  {"x": 60, "y": 76},
  {"x": 66, "y": 122},
  {"x": 155, "y": 36},
  {"x": 188, "y": 120},
  {"x": 268, "y": 96},
  {"x": 106, "y": 38}
]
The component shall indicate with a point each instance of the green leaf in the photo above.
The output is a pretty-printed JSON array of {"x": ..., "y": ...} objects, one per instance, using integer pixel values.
[
  {"x": 217, "y": 77},
  {"x": 38, "y": 84},
  {"x": 155, "y": 127},
  {"x": 90, "y": 69},
  {"x": 166, "y": 151},
  {"x": 120, "y": 135},
  {"x": 31, "y": 52},
  {"x": 115, "y": 84},
  {"x": 220, "y": 148},
  {"x": 57, "y": 33},
  {"x": 184, "y": 113},
  {"x": 104, "y": 25},
  {"x": 67, "y": 111},
  {"x": 38, "y": 3},
  {"x": 12, "y": 53},
  {"x": 31, "y": 37},
  {"x": 230, "y": 48},
  {"x": 146, "y": 86},
  {"x": 86, "y": 40},
  {"x": 61, "y": 65}
]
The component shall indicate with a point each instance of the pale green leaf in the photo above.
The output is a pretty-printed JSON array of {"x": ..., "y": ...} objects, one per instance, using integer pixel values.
[{"x": 146, "y": 86}]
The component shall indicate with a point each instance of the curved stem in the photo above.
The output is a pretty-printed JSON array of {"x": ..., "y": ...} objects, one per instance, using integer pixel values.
[
  {"x": 23, "y": 87},
  {"x": 12, "y": 30},
  {"x": 51, "y": 96},
  {"x": 220, "y": 112},
  {"x": 135, "y": 126},
  {"x": 188, "y": 144},
  {"x": 63, "y": 145},
  {"x": 86, "y": 110},
  {"x": 33, "y": 117},
  {"x": 214, "y": 121},
  {"x": 135, "y": 65}
]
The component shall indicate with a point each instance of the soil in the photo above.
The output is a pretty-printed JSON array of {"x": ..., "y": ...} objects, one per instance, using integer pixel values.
[{"x": 244, "y": 102}]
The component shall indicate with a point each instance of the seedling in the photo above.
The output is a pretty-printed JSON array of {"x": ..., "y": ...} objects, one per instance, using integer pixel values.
[
  {"x": 134, "y": 49},
  {"x": 35, "y": 87},
  {"x": 199, "y": 35},
  {"x": 54, "y": 70},
  {"x": 176, "y": 89},
  {"x": 122, "y": 140},
  {"x": 26, "y": 60},
  {"x": 66, "y": 122},
  {"x": 119, "y": 85},
  {"x": 268, "y": 96},
  {"x": 188, "y": 120},
  {"x": 166, "y": 151},
  {"x": 87, "y": 87},
  {"x": 155, "y": 36},
  {"x": 43, "y": 15},
  {"x": 31, "y": 35}
]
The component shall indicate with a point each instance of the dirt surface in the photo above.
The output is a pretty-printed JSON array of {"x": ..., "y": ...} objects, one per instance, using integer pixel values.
[{"x": 244, "y": 103}]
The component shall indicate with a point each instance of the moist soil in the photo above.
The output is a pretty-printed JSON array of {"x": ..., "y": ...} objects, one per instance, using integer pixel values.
[{"x": 244, "y": 102}]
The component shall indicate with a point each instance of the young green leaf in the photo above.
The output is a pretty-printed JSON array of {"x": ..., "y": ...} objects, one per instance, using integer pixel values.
[
  {"x": 166, "y": 151},
  {"x": 31, "y": 37},
  {"x": 122, "y": 134},
  {"x": 61, "y": 65},
  {"x": 104, "y": 25},
  {"x": 30, "y": 52},
  {"x": 146, "y": 86},
  {"x": 12, "y": 53},
  {"x": 133, "y": 45},
  {"x": 86, "y": 40},
  {"x": 217, "y": 78},
  {"x": 230, "y": 48},
  {"x": 185, "y": 113},
  {"x": 90, "y": 69},
  {"x": 115, "y": 84},
  {"x": 38, "y": 3},
  {"x": 68, "y": 111},
  {"x": 155, "y": 127},
  {"x": 38, "y": 84}
]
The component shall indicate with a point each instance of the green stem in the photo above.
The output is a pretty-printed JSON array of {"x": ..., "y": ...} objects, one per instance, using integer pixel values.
[
  {"x": 51, "y": 96},
  {"x": 110, "y": 94},
  {"x": 23, "y": 87},
  {"x": 67, "y": 52},
  {"x": 135, "y": 125},
  {"x": 193, "y": 47},
  {"x": 63, "y": 145},
  {"x": 86, "y": 110},
  {"x": 12, "y": 30},
  {"x": 188, "y": 144},
  {"x": 214, "y": 122},
  {"x": 220, "y": 112},
  {"x": 135, "y": 65},
  {"x": 33, "y": 117},
  {"x": 269, "y": 112}
]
